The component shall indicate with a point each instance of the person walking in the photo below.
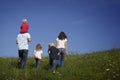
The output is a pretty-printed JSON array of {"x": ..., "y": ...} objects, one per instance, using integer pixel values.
[
  {"x": 38, "y": 54},
  {"x": 53, "y": 56},
  {"x": 23, "y": 46},
  {"x": 62, "y": 45}
]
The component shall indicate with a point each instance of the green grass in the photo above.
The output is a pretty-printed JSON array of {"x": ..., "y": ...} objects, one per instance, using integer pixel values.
[{"x": 104, "y": 65}]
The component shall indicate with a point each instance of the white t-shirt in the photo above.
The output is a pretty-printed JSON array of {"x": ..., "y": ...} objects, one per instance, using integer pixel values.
[
  {"x": 38, "y": 54},
  {"x": 23, "y": 41},
  {"x": 61, "y": 43}
]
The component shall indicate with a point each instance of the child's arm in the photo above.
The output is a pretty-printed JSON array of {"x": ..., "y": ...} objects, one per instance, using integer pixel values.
[
  {"x": 48, "y": 51},
  {"x": 58, "y": 53},
  {"x": 35, "y": 55}
]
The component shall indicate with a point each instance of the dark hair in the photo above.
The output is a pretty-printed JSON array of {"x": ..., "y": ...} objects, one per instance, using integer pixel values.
[
  {"x": 62, "y": 36},
  {"x": 38, "y": 47}
]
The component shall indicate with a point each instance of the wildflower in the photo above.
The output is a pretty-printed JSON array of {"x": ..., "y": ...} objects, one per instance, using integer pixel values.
[
  {"x": 107, "y": 69},
  {"x": 53, "y": 72},
  {"x": 114, "y": 76},
  {"x": 117, "y": 74},
  {"x": 110, "y": 64}
]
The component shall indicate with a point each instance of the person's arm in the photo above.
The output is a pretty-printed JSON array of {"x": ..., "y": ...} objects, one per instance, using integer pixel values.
[
  {"x": 29, "y": 39},
  {"x": 48, "y": 51},
  {"x": 56, "y": 44},
  {"x": 58, "y": 53},
  {"x": 16, "y": 41},
  {"x": 42, "y": 54},
  {"x": 35, "y": 54},
  {"x": 66, "y": 47}
]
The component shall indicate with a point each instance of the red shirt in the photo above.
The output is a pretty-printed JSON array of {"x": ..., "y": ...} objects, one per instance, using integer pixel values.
[{"x": 24, "y": 28}]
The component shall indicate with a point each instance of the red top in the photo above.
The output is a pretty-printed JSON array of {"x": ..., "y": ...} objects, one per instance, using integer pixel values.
[{"x": 24, "y": 28}]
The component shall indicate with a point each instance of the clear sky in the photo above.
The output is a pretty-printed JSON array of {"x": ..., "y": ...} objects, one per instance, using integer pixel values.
[{"x": 91, "y": 25}]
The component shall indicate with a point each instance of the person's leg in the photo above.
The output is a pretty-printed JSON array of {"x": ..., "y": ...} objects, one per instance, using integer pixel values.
[
  {"x": 54, "y": 66},
  {"x": 57, "y": 64},
  {"x": 51, "y": 63},
  {"x": 62, "y": 57},
  {"x": 37, "y": 63},
  {"x": 20, "y": 58},
  {"x": 24, "y": 58}
]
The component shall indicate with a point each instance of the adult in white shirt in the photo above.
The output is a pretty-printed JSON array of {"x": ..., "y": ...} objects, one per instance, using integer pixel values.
[
  {"x": 62, "y": 45},
  {"x": 22, "y": 41}
]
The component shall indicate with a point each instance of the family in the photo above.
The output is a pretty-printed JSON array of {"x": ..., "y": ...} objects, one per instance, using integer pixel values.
[{"x": 56, "y": 53}]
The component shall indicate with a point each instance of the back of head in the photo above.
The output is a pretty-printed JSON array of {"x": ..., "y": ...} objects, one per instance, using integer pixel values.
[
  {"x": 38, "y": 46},
  {"x": 51, "y": 44},
  {"x": 62, "y": 36},
  {"x": 24, "y": 20}
]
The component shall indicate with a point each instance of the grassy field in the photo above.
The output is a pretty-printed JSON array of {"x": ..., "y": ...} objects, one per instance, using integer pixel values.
[{"x": 104, "y": 65}]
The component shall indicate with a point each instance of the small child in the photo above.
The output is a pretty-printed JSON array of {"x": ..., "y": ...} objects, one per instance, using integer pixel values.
[
  {"x": 24, "y": 26},
  {"x": 38, "y": 54},
  {"x": 53, "y": 56}
]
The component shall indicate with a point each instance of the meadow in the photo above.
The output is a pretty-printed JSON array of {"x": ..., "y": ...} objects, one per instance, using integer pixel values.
[{"x": 102, "y": 65}]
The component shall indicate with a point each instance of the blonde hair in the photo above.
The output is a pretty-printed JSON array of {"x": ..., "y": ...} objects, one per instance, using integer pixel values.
[
  {"x": 24, "y": 20},
  {"x": 38, "y": 47},
  {"x": 51, "y": 44}
]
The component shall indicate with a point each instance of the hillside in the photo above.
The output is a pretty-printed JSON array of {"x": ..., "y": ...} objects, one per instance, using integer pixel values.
[{"x": 104, "y": 65}]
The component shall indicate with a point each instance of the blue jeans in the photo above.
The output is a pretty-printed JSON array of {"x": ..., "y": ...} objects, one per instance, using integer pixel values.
[
  {"x": 37, "y": 62},
  {"x": 62, "y": 56},
  {"x": 55, "y": 63},
  {"x": 22, "y": 58}
]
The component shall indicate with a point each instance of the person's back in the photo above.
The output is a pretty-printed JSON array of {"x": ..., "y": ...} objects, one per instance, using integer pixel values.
[
  {"x": 54, "y": 52},
  {"x": 54, "y": 56},
  {"x": 23, "y": 40},
  {"x": 61, "y": 44}
]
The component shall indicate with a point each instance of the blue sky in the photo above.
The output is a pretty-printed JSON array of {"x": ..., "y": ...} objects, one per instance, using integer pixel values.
[{"x": 91, "y": 25}]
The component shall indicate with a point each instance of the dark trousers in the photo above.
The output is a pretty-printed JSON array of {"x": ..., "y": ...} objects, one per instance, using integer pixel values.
[
  {"x": 37, "y": 63},
  {"x": 22, "y": 58},
  {"x": 51, "y": 62}
]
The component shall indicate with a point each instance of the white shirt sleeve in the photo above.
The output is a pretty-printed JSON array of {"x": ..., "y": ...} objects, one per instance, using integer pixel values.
[{"x": 28, "y": 35}]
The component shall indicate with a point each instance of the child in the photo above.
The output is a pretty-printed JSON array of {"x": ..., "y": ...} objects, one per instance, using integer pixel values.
[
  {"x": 53, "y": 56},
  {"x": 24, "y": 27},
  {"x": 38, "y": 54}
]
